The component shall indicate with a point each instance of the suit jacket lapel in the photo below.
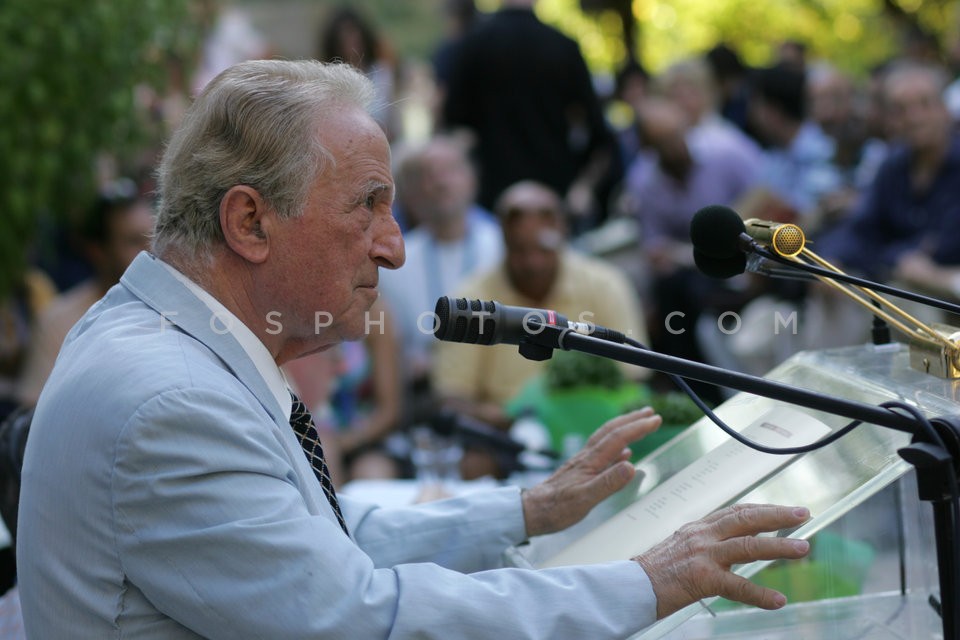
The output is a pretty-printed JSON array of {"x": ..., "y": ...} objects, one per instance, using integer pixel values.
[{"x": 152, "y": 283}]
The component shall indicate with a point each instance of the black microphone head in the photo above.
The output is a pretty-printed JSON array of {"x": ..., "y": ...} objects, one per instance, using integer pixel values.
[
  {"x": 720, "y": 268},
  {"x": 715, "y": 232},
  {"x": 469, "y": 321}
]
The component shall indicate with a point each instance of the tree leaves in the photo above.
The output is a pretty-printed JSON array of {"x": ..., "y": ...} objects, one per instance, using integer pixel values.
[{"x": 68, "y": 71}]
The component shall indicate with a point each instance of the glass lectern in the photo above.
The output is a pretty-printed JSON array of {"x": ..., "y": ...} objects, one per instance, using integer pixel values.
[{"x": 873, "y": 566}]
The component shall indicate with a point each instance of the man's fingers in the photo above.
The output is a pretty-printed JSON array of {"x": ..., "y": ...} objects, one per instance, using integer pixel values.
[
  {"x": 750, "y": 519},
  {"x": 750, "y": 548},
  {"x": 609, "y": 481},
  {"x": 695, "y": 562},
  {"x": 608, "y": 444},
  {"x": 739, "y": 589},
  {"x": 615, "y": 423}
]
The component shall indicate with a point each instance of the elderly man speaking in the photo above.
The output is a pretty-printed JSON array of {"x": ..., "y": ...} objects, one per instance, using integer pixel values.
[{"x": 174, "y": 487}]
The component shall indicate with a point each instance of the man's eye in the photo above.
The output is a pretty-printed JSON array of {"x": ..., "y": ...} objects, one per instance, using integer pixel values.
[{"x": 371, "y": 201}]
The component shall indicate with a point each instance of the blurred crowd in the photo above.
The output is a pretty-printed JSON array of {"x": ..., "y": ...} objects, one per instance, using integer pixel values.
[{"x": 533, "y": 187}]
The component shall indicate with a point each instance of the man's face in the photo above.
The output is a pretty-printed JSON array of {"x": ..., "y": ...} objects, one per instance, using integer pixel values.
[
  {"x": 327, "y": 260},
  {"x": 128, "y": 234},
  {"x": 667, "y": 136},
  {"x": 916, "y": 111},
  {"x": 831, "y": 102},
  {"x": 533, "y": 237},
  {"x": 446, "y": 183},
  {"x": 690, "y": 97}
]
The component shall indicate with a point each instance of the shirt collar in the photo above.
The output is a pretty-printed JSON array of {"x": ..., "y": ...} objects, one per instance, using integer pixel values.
[{"x": 223, "y": 319}]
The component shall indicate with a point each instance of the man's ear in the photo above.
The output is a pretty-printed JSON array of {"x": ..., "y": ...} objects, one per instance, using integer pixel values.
[{"x": 244, "y": 220}]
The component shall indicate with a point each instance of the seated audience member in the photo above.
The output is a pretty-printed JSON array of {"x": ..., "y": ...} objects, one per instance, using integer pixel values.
[
  {"x": 666, "y": 189},
  {"x": 836, "y": 108},
  {"x": 173, "y": 486},
  {"x": 691, "y": 86},
  {"x": 832, "y": 98},
  {"x": 114, "y": 230},
  {"x": 664, "y": 193},
  {"x": 797, "y": 170},
  {"x": 792, "y": 54},
  {"x": 456, "y": 238},
  {"x": 906, "y": 226},
  {"x": 539, "y": 271},
  {"x": 878, "y": 128}
]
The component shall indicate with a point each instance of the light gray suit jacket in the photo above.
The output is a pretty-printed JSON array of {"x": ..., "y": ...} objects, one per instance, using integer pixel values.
[{"x": 165, "y": 496}]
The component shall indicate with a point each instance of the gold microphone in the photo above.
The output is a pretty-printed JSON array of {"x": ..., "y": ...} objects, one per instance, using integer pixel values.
[{"x": 785, "y": 239}]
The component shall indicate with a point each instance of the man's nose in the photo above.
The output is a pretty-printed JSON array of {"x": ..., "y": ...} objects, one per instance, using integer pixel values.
[{"x": 388, "y": 251}]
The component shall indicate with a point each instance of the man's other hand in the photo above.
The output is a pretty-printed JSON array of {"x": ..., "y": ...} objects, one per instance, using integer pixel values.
[
  {"x": 595, "y": 472},
  {"x": 695, "y": 561}
]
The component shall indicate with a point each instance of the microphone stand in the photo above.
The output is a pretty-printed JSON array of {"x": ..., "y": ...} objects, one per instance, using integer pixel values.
[
  {"x": 816, "y": 271},
  {"x": 934, "y": 456}
]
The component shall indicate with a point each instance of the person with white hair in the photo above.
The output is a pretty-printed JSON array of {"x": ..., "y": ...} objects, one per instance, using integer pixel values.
[{"x": 174, "y": 487}]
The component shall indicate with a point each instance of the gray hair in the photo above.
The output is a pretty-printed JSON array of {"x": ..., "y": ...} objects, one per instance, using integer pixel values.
[
  {"x": 254, "y": 124},
  {"x": 935, "y": 73},
  {"x": 695, "y": 72}
]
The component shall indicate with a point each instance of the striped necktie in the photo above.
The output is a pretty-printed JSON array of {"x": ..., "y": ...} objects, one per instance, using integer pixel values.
[{"x": 302, "y": 423}]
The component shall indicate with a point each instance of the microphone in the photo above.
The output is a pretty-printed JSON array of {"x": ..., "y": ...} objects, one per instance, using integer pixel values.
[
  {"x": 449, "y": 423},
  {"x": 490, "y": 322},
  {"x": 718, "y": 235},
  {"x": 786, "y": 240},
  {"x": 720, "y": 268},
  {"x": 719, "y": 232},
  {"x": 715, "y": 233},
  {"x": 452, "y": 424},
  {"x": 512, "y": 455}
]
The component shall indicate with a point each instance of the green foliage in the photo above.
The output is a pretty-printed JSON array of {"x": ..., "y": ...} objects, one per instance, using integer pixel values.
[
  {"x": 68, "y": 71},
  {"x": 853, "y": 34},
  {"x": 676, "y": 408},
  {"x": 571, "y": 369}
]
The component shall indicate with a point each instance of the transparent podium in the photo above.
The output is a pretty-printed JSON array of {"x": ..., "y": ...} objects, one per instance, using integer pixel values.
[{"x": 873, "y": 564}]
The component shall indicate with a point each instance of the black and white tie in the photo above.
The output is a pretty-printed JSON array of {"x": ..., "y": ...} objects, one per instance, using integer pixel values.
[{"x": 302, "y": 423}]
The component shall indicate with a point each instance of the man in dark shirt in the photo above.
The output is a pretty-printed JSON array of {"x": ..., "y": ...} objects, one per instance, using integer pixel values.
[
  {"x": 525, "y": 92},
  {"x": 911, "y": 211}
]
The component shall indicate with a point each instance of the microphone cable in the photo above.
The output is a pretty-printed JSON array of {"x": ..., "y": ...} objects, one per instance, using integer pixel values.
[{"x": 807, "y": 448}]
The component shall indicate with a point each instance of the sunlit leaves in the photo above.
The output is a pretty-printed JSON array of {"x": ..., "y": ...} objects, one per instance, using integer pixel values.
[
  {"x": 68, "y": 71},
  {"x": 853, "y": 34}
]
